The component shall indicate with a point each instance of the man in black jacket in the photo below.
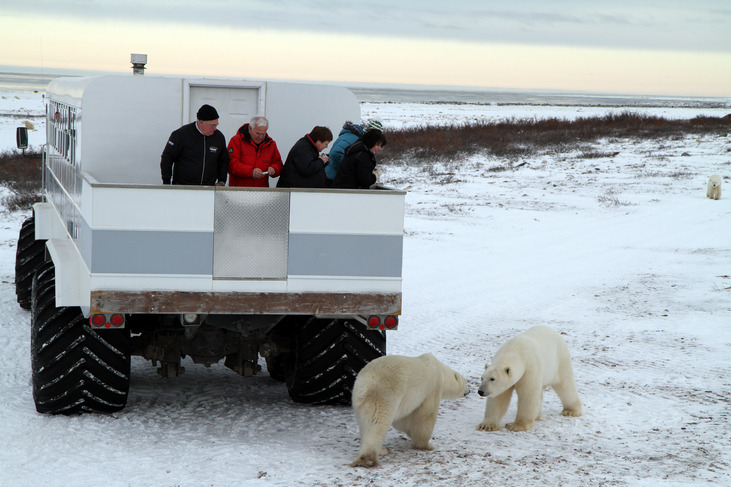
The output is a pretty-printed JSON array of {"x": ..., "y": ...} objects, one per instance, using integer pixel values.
[
  {"x": 305, "y": 166},
  {"x": 196, "y": 153}
]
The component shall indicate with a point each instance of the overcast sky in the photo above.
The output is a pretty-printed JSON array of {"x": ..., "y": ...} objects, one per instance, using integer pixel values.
[{"x": 679, "y": 47}]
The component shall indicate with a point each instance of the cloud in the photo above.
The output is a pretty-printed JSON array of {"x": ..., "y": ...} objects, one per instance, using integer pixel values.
[{"x": 701, "y": 25}]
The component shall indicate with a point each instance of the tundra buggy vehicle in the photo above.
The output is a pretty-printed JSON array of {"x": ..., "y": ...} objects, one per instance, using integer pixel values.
[{"x": 113, "y": 264}]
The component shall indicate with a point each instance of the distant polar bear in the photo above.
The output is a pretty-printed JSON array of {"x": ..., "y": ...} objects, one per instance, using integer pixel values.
[
  {"x": 714, "y": 187},
  {"x": 405, "y": 392},
  {"x": 527, "y": 364}
]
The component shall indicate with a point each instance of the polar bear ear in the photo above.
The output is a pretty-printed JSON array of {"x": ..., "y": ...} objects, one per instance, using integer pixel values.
[{"x": 486, "y": 366}]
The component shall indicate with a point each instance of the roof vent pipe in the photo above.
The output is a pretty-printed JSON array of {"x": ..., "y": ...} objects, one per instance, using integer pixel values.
[{"x": 138, "y": 64}]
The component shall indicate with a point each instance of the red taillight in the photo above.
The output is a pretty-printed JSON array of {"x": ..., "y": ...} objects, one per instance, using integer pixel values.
[
  {"x": 102, "y": 320},
  {"x": 391, "y": 321}
]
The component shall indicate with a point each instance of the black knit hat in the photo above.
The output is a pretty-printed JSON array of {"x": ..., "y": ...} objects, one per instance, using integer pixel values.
[{"x": 207, "y": 113}]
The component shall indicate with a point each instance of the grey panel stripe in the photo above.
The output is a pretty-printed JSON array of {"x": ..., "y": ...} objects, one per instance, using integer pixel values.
[
  {"x": 151, "y": 252},
  {"x": 158, "y": 252},
  {"x": 345, "y": 255},
  {"x": 84, "y": 241}
]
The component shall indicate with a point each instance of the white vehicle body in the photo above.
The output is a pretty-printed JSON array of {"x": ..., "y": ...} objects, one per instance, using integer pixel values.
[
  {"x": 121, "y": 242},
  {"x": 113, "y": 263}
]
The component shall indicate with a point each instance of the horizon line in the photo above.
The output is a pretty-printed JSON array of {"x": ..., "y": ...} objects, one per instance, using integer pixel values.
[{"x": 59, "y": 72}]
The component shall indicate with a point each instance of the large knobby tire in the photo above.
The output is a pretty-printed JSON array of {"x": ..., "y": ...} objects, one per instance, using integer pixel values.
[
  {"x": 328, "y": 355},
  {"x": 29, "y": 255},
  {"x": 75, "y": 369}
]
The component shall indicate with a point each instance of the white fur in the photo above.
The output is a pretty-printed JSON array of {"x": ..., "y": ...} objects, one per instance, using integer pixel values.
[
  {"x": 714, "y": 187},
  {"x": 405, "y": 392},
  {"x": 527, "y": 364}
]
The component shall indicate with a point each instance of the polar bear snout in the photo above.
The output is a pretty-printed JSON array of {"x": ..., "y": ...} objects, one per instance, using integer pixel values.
[{"x": 482, "y": 392}]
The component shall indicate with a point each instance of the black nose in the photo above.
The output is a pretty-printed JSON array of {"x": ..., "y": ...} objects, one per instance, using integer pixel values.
[{"x": 480, "y": 392}]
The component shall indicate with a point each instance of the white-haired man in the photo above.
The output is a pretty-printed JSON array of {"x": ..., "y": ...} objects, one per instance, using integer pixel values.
[{"x": 254, "y": 155}]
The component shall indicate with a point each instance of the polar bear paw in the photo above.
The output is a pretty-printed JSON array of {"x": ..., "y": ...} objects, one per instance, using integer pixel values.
[
  {"x": 370, "y": 459},
  {"x": 428, "y": 446},
  {"x": 484, "y": 426},
  {"x": 571, "y": 412},
  {"x": 515, "y": 427},
  {"x": 367, "y": 461}
]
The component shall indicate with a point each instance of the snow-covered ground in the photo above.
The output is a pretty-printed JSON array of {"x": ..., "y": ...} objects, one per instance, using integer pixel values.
[
  {"x": 18, "y": 110},
  {"x": 405, "y": 115},
  {"x": 623, "y": 254}
]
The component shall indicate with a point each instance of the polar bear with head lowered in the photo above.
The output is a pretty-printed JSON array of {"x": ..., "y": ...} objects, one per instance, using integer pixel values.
[
  {"x": 527, "y": 364},
  {"x": 405, "y": 392}
]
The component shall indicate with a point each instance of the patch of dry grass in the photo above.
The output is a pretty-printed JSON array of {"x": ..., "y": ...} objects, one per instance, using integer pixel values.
[
  {"x": 524, "y": 137},
  {"x": 21, "y": 174}
]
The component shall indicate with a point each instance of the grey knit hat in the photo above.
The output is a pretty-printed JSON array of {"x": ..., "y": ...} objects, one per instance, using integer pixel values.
[{"x": 373, "y": 125}]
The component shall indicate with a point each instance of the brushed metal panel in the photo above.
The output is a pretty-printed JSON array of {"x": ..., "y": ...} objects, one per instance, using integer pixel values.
[{"x": 251, "y": 234}]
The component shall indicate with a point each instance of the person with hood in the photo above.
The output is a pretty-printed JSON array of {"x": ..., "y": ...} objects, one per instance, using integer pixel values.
[
  {"x": 196, "y": 153},
  {"x": 349, "y": 135},
  {"x": 254, "y": 156},
  {"x": 305, "y": 166},
  {"x": 358, "y": 170}
]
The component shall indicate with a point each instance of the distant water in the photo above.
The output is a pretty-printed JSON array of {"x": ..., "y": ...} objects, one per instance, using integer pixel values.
[
  {"x": 24, "y": 82},
  {"x": 514, "y": 97},
  {"x": 37, "y": 82}
]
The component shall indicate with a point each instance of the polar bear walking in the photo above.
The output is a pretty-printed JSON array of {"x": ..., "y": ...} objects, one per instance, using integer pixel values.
[
  {"x": 405, "y": 392},
  {"x": 527, "y": 364},
  {"x": 714, "y": 187}
]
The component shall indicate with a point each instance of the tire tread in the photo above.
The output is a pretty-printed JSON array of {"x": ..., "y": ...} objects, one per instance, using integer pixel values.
[
  {"x": 29, "y": 255},
  {"x": 329, "y": 353},
  {"x": 74, "y": 367}
]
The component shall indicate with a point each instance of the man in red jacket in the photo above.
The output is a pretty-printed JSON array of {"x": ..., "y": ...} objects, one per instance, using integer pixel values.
[{"x": 254, "y": 156}]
